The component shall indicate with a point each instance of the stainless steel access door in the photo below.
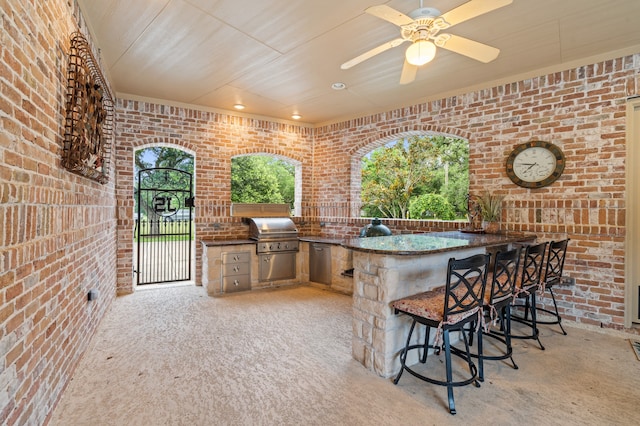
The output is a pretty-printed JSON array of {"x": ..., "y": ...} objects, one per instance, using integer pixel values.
[
  {"x": 277, "y": 266},
  {"x": 320, "y": 263}
]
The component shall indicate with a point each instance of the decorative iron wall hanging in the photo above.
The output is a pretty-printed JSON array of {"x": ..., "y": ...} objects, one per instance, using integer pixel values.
[{"x": 89, "y": 115}]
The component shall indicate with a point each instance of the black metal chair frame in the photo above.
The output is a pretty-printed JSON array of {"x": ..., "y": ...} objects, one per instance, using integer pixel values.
[
  {"x": 464, "y": 292},
  {"x": 552, "y": 277},
  {"x": 501, "y": 280},
  {"x": 529, "y": 283}
]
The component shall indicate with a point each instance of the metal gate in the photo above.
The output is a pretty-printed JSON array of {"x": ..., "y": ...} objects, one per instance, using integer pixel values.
[{"x": 164, "y": 225}]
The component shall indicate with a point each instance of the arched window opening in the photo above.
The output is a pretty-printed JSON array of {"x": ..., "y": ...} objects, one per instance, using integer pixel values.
[
  {"x": 266, "y": 178},
  {"x": 160, "y": 157},
  {"x": 417, "y": 177}
]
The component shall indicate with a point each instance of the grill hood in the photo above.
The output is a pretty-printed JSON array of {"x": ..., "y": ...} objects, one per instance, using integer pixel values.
[{"x": 272, "y": 228}]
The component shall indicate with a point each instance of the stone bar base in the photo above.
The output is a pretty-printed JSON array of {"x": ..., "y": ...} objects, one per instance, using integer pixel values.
[{"x": 378, "y": 334}]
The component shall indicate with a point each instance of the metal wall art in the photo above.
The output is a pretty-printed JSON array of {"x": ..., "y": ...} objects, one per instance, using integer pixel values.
[{"x": 88, "y": 129}]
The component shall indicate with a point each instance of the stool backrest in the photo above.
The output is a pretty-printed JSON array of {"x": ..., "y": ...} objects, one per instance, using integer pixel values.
[
  {"x": 466, "y": 282},
  {"x": 503, "y": 278},
  {"x": 555, "y": 261},
  {"x": 532, "y": 266}
]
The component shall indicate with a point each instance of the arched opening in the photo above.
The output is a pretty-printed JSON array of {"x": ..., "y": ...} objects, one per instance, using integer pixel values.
[
  {"x": 266, "y": 178},
  {"x": 419, "y": 175},
  {"x": 164, "y": 229}
]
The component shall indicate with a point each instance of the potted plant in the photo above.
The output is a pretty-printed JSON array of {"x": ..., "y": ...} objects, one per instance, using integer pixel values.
[{"x": 490, "y": 209}]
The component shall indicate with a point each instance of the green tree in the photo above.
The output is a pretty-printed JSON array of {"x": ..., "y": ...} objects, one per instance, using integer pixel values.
[
  {"x": 453, "y": 175},
  {"x": 395, "y": 174},
  {"x": 262, "y": 179},
  {"x": 161, "y": 157},
  {"x": 285, "y": 175}
]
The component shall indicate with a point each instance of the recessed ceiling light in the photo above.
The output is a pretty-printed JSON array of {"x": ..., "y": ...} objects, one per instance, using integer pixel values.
[
  {"x": 238, "y": 106},
  {"x": 338, "y": 86},
  {"x": 296, "y": 116}
]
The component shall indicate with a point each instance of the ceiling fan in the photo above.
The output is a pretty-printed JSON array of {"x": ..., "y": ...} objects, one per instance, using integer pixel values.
[{"x": 422, "y": 28}]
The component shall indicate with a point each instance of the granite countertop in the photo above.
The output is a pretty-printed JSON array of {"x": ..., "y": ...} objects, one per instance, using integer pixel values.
[
  {"x": 435, "y": 242},
  {"x": 323, "y": 240},
  {"x": 214, "y": 243}
]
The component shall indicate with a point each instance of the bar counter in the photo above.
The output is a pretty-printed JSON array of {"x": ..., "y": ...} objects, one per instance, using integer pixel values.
[{"x": 392, "y": 267}]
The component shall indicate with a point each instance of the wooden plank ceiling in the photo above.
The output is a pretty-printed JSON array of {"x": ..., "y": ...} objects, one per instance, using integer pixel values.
[{"x": 280, "y": 57}]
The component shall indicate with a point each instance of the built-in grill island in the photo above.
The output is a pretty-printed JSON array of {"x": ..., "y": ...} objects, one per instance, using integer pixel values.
[{"x": 276, "y": 247}]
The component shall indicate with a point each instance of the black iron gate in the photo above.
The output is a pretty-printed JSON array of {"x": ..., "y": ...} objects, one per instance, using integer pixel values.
[{"x": 164, "y": 225}]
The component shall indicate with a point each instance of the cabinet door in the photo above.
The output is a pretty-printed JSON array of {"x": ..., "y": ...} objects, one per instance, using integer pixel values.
[
  {"x": 229, "y": 269},
  {"x": 236, "y": 257},
  {"x": 277, "y": 266},
  {"x": 320, "y": 263},
  {"x": 236, "y": 283}
]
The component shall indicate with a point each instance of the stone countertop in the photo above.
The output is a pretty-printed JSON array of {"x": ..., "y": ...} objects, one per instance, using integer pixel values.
[
  {"x": 435, "y": 242},
  {"x": 214, "y": 243},
  {"x": 323, "y": 240}
]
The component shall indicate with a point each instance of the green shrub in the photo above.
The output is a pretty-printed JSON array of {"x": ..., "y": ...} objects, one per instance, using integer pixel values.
[{"x": 431, "y": 206}]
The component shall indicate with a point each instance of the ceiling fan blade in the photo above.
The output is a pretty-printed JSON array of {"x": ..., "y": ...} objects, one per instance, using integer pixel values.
[
  {"x": 389, "y": 14},
  {"x": 408, "y": 73},
  {"x": 373, "y": 52},
  {"x": 471, "y": 9},
  {"x": 464, "y": 46}
]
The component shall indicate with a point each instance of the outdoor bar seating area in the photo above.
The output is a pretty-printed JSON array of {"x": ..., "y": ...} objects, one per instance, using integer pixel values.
[{"x": 482, "y": 296}]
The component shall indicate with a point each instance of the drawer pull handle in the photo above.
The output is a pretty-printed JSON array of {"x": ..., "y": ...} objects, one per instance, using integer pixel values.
[
  {"x": 236, "y": 269},
  {"x": 236, "y": 283}
]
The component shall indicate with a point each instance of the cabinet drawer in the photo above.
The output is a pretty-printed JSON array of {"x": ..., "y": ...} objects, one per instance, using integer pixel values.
[
  {"x": 236, "y": 283},
  {"x": 238, "y": 257},
  {"x": 235, "y": 269}
]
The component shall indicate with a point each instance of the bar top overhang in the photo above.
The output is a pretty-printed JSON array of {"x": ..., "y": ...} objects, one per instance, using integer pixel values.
[{"x": 434, "y": 242}]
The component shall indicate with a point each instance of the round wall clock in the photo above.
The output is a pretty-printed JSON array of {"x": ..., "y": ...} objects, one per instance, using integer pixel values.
[{"x": 535, "y": 164}]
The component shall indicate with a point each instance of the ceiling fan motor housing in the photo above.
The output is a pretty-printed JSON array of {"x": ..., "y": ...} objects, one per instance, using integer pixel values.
[
  {"x": 426, "y": 24},
  {"x": 424, "y": 12}
]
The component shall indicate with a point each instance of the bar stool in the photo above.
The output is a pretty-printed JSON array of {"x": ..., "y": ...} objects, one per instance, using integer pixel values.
[
  {"x": 448, "y": 308},
  {"x": 498, "y": 300},
  {"x": 528, "y": 282},
  {"x": 553, "y": 277}
]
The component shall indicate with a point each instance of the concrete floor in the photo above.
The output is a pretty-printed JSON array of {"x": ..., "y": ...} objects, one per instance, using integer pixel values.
[{"x": 171, "y": 355}]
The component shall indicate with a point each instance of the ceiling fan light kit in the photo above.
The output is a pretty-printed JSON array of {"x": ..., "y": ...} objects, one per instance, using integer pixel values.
[
  {"x": 422, "y": 28},
  {"x": 420, "y": 52}
]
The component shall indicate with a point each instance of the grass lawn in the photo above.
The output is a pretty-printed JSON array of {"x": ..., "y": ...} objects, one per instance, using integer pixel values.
[{"x": 161, "y": 231}]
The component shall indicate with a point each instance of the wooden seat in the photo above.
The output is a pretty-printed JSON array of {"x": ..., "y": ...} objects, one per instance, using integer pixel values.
[{"x": 448, "y": 308}]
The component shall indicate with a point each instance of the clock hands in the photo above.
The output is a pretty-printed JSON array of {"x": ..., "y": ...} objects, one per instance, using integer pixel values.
[{"x": 529, "y": 164}]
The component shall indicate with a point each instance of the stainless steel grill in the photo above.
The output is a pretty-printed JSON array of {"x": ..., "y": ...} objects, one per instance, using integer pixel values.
[{"x": 277, "y": 245}]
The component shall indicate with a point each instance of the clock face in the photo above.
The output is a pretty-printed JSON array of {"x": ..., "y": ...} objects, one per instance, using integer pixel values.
[{"x": 535, "y": 164}]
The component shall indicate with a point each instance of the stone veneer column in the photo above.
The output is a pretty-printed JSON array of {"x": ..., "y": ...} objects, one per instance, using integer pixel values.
[{"x": 378, "y": 334}]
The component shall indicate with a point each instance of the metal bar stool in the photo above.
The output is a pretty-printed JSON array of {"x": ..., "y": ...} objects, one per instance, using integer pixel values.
[
  {"x": 448, "y": 308},
  {"x": 527, "y": 284},
  {"x": 553, "y": 277},
  {"x": 498, "y": 300}
]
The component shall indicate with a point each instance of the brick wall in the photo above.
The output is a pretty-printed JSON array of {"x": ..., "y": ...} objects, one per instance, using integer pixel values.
[
  {"x": 581, "y": 110},
  {"x": 214, "y": 139},
  {"x": 62, "y": 234},
  {"x": 57, "y": 229}
]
